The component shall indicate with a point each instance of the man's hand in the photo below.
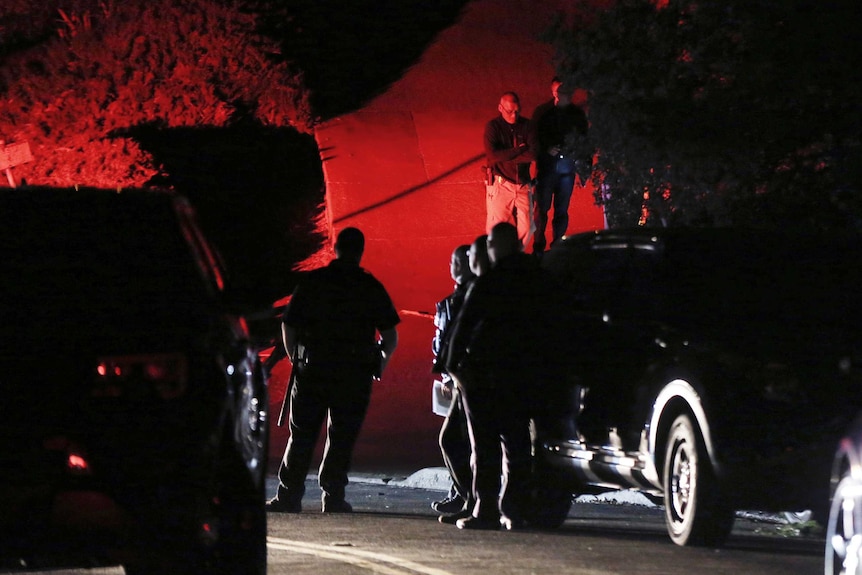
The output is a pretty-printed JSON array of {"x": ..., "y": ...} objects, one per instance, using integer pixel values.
[
  {"x": 388, "y": 343},
  {"x": 446, "y": 389}
]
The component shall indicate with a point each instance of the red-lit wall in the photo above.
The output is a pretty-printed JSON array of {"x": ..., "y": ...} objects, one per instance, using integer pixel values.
[{"x": 406, "y": 169}]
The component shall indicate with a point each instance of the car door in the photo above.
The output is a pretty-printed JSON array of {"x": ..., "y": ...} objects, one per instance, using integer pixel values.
[{"x": 618, "y": 346}]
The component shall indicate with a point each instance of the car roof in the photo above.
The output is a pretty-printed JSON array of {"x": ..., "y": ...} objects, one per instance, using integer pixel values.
[
  {"x": 727, "y": 242},
  {"x": 718, "y": 277}
]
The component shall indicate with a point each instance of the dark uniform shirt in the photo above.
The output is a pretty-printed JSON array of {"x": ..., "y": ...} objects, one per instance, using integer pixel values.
[
  {"x": 504, "y": 151},
  {"x": 507, "y": 328},
  {"x": 447, "y": 311},
  {"x": 337, "y": 310}
]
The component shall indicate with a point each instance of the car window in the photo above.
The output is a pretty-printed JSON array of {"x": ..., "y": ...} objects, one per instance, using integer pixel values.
[
  {"x": 590, "y": 279},
  {"x": 205, "y": 255},
  {"x": 734, "y": 286},
  {"x": 106, "y": 261}
]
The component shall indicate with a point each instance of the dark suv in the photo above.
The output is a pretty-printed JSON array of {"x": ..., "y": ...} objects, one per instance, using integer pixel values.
[
  {"x": 712, "y": 369},
  {"x": 133, "y": 408}
]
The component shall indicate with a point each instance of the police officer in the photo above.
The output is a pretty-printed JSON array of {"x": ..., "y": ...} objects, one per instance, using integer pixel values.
[
  {"x": 561, "y": 128},
  {"x": 497, "y": 354},
  {"x": 329, "y": 333},
  {"x": 453, "y": 439},
  {"x": 510, "y": 148}
]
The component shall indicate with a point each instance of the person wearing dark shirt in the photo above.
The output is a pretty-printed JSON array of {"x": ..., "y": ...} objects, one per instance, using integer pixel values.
[
  {"x": 498, "y": 350},
  {"x": 329, "y": 330},
  {"x": 510, "y": 146},
  {"x": 453, "y": 439},
  {"x": 558, "y": 124}
]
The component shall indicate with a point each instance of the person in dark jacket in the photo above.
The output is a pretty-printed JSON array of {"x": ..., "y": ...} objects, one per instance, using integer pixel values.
[
  {"x": 454, "y": 441},
  {"x": 560, "y": 127},
  {"x": 330, "y": 329},
  {"x": 501, "y": 347}
]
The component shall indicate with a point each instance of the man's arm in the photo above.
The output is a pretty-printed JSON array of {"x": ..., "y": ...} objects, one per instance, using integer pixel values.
[
  {"x": 530, "y": 153},
  {"x": 499, "y": 150},
  {"x": 289, "y": 337},
  {"x": 463, "y": 327},
  {"x": 388, "y": 343}
]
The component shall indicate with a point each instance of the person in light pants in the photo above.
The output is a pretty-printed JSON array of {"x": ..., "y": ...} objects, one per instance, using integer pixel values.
[{"x": 510, "y": 149}]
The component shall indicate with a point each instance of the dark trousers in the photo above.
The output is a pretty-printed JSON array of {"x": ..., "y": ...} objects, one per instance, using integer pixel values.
[
  {"x": 499, "y": 424},
  {"x": 553, "y": 187},
  {"x": 455, "y": 447},
  {"x": 340, "y": 397}
]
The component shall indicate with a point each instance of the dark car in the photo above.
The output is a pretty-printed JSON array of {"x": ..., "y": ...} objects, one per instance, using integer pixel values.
[
  {"x": 133, "y": 408},
  {"x": 712, "y": 369}
]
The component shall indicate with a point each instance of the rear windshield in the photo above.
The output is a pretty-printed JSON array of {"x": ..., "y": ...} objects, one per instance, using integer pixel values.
[
  {"x": 734, "y": 286},
  {"x": 96, "y": 263}
]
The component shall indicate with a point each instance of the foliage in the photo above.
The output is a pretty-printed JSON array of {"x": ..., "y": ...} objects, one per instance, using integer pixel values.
[
  {"x": 24, "y": 22},
  {"x": 721, "y": 111},
  {"x": 113, "y": 66}
]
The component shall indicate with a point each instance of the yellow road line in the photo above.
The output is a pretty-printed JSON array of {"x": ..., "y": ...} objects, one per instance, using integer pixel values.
[{"x": 376, "y": 562}]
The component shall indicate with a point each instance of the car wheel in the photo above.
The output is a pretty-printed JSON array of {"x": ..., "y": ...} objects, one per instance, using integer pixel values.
[
  {"x": 694, "y": 511},
  {"x": 844, "y": 529},
  {"x": 550, "y": 497},
  {"x": 549, "y": 506}
]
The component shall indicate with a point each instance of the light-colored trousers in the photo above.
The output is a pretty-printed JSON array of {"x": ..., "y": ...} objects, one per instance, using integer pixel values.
[{"x": 509, "y": 202}]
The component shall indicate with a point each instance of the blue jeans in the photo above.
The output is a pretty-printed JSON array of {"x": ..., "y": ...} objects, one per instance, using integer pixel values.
[{"x": 556, "y": 179}]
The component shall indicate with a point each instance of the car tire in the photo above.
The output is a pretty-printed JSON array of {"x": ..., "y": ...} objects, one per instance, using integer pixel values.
[
  {"x": 844, "y": 528},
  {"x": 694, "y": 511},
  {"x": 549, "y": 506},
  {"x": 550, "y": 497}
]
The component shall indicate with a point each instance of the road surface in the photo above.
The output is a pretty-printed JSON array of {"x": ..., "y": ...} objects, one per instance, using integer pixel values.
[{"x": 394, "y": 531}]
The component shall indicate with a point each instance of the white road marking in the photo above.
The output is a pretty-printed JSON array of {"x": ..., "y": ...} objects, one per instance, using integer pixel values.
[{"x": 376, "y": 562}]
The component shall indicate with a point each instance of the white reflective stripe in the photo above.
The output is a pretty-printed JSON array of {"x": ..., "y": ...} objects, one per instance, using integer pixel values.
[{"x": 683, "y": 389}]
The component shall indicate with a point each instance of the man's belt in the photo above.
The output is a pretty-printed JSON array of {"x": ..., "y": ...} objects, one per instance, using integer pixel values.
[{"x": 501, "y": 179}]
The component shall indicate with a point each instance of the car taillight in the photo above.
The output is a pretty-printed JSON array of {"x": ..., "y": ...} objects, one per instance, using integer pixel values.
[
  {"x": 74, "y": 457},
  {"x": 131, "y": 376},
  {"x": 77, "y": 463}
]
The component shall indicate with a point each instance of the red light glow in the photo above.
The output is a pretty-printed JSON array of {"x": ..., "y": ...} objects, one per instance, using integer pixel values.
[
  {"x": 166, "y": 373},
  {"x": 77, "y": 463},
  {"x": 156, "y": 370}
]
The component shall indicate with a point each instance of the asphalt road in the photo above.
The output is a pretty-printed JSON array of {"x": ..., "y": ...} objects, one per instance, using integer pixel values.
[{"x": 394, "y": 531}]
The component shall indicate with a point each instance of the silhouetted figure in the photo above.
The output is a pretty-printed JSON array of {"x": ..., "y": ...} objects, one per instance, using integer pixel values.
[
  {"x": 454, "y": 441},
  {"x": 497, "y": 352},
  {"x": 329, "y": 330},
  {"x": 559, "y": 160},
  {"x": 478, "y": 256}
]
